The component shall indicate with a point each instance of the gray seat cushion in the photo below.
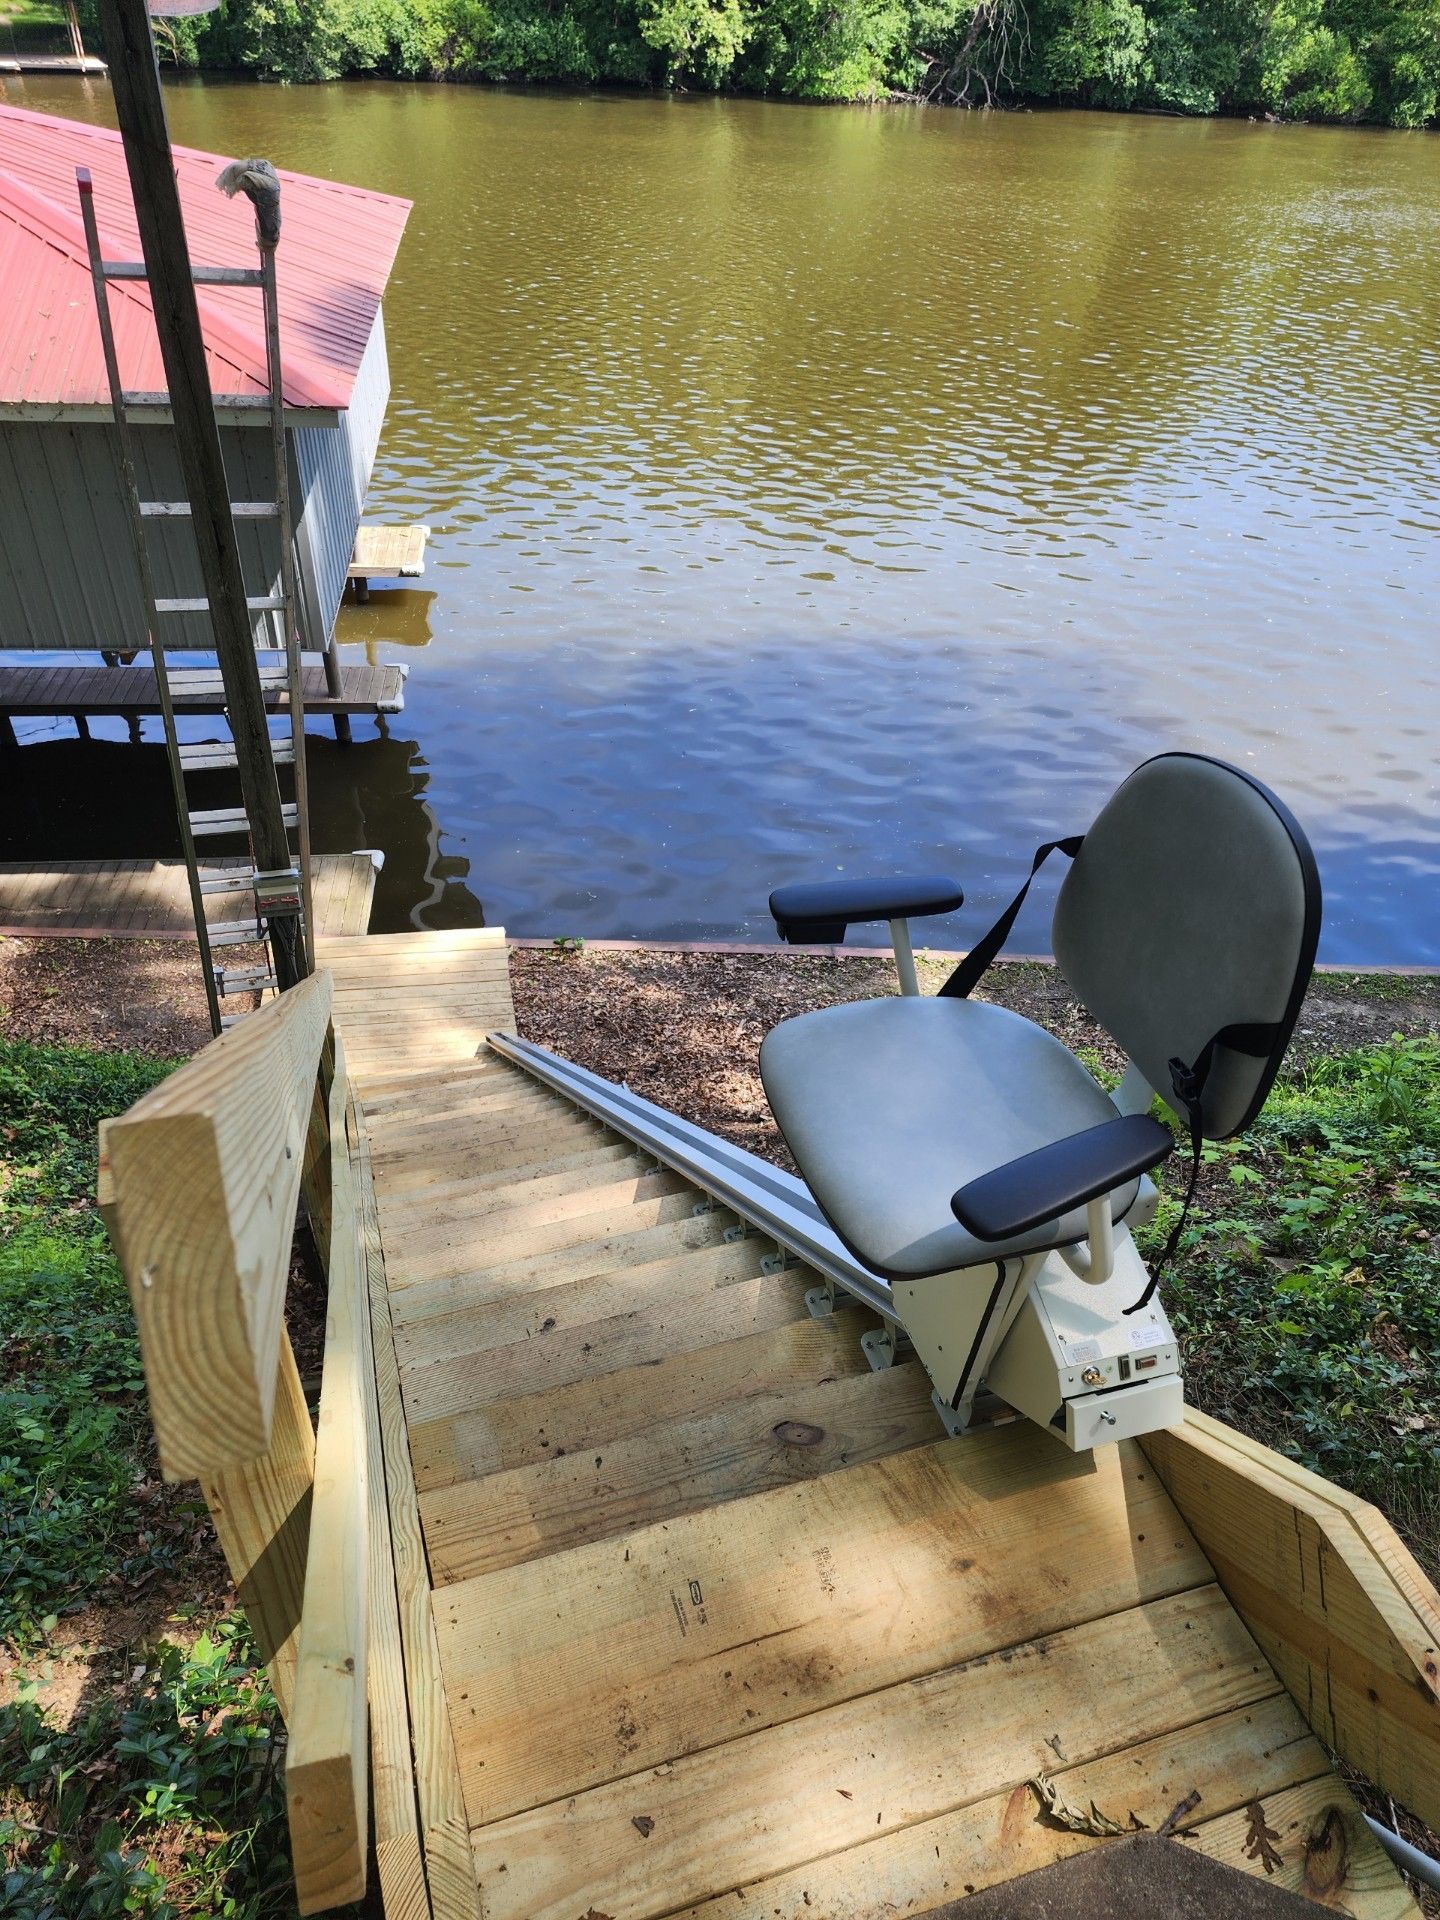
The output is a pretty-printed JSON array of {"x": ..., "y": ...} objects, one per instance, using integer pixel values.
[{"x": 889, "y": 1105}]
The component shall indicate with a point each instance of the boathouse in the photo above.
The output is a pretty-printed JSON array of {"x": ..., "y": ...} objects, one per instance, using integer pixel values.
[{"x": 67, "y": 562}]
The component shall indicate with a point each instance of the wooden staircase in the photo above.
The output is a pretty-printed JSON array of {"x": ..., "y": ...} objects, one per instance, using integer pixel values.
[{"x": 706, "y": 1617}]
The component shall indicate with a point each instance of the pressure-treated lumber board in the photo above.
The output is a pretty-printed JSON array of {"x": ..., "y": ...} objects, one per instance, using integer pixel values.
[
  {"x": 327, "y": 1779},
  {"x": 595, "y": 1413},
  {"x": 1343, "y": 1612},
  {"x": 465, "y": 1247},
  {"x": 470, "y": 1286},
  {"x": 421, "y": 1122},
  {"x": 461, "y": 1172},
  {"x": 204, "y": 1174},
  {"x": 469, "y": 1200},
  {"x": 890, "y": 1759},
  {"x": 675, "y": 1467},
  {"x": 261, "y": 1513},
  {"x": 638, "y": 1339},
  {"x": 497, "y": 1227},
  {"x": 448, "y": 1861},
  {"x": 574, "y": 1303},
  {"x": 418, "y": 1000},
  {"x": 1326, "y": 1851},
  {"x": 569, "y": 1671},
  {"x": 399, "y": 1859},
  {"x": 1261, "y": 1752}
]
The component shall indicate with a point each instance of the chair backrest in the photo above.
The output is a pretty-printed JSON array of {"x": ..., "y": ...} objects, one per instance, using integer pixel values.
[{"x": 1193, "y": 905}]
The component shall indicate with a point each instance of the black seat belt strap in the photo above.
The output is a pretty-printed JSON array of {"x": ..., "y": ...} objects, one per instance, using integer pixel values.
[
  {"x": 976, "y": 962},
  {"x": 1188, "y": 1086}
]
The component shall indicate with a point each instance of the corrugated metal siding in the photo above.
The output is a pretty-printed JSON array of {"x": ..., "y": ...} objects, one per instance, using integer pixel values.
[
  {"x": 332, "y": 476},
  {"x": 67, "y": 566}
]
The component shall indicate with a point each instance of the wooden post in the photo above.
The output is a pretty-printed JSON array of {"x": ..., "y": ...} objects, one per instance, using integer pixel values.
[
  {"x": 140, "y": 111},
  {"x": 261, "y": 1513}
]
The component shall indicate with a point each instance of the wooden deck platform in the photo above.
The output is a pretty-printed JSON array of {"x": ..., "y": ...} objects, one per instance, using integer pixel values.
[
  {"x": 701, "y": 1616},
  {"x": 126, "y": 691},
  {"x": 149, "y": 899}
]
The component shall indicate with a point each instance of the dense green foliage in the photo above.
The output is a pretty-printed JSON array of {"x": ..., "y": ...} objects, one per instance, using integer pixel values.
[
  {"x": 70, "y": 1381},
  {"x": 1349, "y": 60},
  {"x": 163, "y": 1799},
  {"x": 1305, "y": 1290},
  {"x": 161, "y": 1795}
]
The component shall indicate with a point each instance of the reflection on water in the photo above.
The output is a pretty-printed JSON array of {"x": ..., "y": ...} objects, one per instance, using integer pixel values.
[
  {"x": 819, "y": 489},
  {"x": 369, "y": 794}
]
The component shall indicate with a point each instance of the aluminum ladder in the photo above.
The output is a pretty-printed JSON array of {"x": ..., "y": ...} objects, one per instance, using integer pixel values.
[{"x": 287, "y": 893}]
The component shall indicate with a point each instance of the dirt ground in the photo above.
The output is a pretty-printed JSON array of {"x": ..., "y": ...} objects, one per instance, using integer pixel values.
[{"x": 680, "y": 1027}]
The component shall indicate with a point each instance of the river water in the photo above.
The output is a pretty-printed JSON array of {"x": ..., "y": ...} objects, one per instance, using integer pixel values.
[{"x": 815, "y": 490}]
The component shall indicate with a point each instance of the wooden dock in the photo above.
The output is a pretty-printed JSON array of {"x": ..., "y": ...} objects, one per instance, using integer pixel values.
[
  {"x": 125, "y": 692},
  {"x": 700, "y": 1616},
  {"x": 150, "y": 899}
]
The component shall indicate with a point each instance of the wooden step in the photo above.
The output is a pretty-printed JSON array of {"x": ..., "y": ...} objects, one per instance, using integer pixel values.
[
  {"x": 464, "y": 1201},
  {"x": 471, "y": 1286},
  {"x": 595, "y": 1413},
  {"x": 577, "y": 1303},
  {"x": 564, "y": 1173},
  {"x": 466, "y": 1166},
  {"x": 524, "y": 1229},
  {"x": 719, "y": 1623},
  {"x": 639, "y": 1339},
  {"x": 675, "y": 1467},
  {"x": 901, "y": 1759}
]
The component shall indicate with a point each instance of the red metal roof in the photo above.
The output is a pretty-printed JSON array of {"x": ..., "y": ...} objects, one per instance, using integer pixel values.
[{"x": 337, "y": 246}]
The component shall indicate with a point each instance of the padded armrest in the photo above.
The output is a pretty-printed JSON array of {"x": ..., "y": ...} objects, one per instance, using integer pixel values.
[
  {"x": 818, "y": 914},
  {"x": 1041, "y": 1186}
]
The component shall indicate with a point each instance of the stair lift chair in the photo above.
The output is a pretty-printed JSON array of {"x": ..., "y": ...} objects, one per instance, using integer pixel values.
[{"x": 968, "y": 1158}]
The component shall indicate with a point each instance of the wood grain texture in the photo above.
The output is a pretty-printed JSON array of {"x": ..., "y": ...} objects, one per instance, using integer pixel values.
[
  {"x": 573, "y": 1303},
  {"x": 1255, "y": 1752},
  {"x": 261, "y": 1514},
  {"x": 399, "y": 1857},
  {"x": 614, "y": 1406},
  {"x": 203, "y": 1176},
  {"x": 674, "y": 1467},
  {"x": 719, "y": 1623},
  {"x": 448, "y": 1861},
  {"x": 896, "y": 1758},
  {"x": 149, "y": 899},
  {"x": 1339, "y": 1606},
  {"x": 327, "y": 1778}
]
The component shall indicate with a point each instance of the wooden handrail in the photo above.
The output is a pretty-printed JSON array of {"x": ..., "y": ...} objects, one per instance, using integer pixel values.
[
  {"x": 199, "y": 1183},
  {"x": 199, "y": 1186}
]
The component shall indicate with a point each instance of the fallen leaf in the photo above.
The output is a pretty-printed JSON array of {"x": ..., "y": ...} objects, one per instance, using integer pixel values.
[
  {"x": 1069, "y": 1815},
  {"x": 1260, "y": 1839}
]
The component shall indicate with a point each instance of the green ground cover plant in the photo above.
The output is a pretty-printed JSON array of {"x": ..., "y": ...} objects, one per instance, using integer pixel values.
[
  {"x": 1340, "y": 60},
  {"x": 158, "y": 1793},
  {"x": 1305, "y": 1289}
]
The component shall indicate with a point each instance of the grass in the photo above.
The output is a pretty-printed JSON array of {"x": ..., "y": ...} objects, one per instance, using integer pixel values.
[
  {"x": 1304, "y": 1290},
  {"x": 158, "y": 1794}
]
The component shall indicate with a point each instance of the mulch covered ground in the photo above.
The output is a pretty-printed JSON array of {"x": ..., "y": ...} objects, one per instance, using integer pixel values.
[{"x": 684, "y": 1029}]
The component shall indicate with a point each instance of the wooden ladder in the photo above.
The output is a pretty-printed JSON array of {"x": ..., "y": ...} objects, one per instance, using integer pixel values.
[{"x": 285, "y": 894}]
